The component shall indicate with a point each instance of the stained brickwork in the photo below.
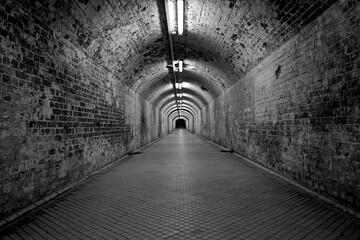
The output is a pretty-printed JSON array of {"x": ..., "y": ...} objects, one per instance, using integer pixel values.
[
  {"x": 63, "y": 114},
  {"x": 298, "y": 111},
  {"x": 234, "y": 35},
  {"x": 222, "y": 39},
  {"x": 84, "y": 82}
]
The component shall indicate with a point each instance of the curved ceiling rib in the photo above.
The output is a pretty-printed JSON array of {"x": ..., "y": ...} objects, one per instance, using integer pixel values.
[
  {"x": 188, "y": 117},
  {"x": 184, "y": 109},
  {"x": 187, "y": 107},
  {"x": 128, "y": 39},
  {"x": 175, "y": 117},
  {"x": 187, "y": 93},
  {"x": 171, "y": 104},
  {"x": 189, "y": 80},
  {"x": 184, "y": 114},
  {"x": 188, "y": 111}
]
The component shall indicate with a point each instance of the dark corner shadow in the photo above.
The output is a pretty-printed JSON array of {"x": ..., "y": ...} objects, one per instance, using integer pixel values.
[
  {"x": 227, "y": 151},
  {"x": 134, "y": 153}
]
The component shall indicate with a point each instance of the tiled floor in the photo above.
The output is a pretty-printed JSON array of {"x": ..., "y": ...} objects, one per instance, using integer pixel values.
[{"x": 183, "y": 187}]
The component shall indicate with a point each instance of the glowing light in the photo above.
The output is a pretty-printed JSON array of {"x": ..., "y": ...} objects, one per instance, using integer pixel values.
[
  {"x": 171, "y": 6},
  {"x": 186, "y": 85},
  {"x": 180, "y": 66},
  {"x": 178, "y": 85},
  {"x": 180, "y": 9},
  {"x": 179, "y": 95}
]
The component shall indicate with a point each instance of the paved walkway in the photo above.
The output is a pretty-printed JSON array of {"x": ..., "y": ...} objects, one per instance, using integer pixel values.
[{"x": 182, "y": 187}]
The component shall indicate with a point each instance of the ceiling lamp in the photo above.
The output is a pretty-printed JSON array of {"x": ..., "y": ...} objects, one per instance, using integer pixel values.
[
  {"x": 180, "y": 66},
  {"x": 172, "y": 20},
  {"x": 180, "y": 9},
  {"x": 180, "y": 16},
  {"x": 178, "y": 85}
]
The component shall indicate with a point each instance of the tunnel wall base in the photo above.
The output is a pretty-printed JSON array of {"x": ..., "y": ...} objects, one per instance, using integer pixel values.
[
  {"x": 63, "y": 115},
  {"x": 298, "y": 111}
]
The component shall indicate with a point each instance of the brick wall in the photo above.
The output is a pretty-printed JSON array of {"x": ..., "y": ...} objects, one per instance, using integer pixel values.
[
  {"x": 62, "y": 115},
  {"x": 298, "y": 111}
]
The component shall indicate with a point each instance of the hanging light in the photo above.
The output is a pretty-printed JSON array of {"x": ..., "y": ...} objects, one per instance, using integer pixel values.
[
  {"x": 180, "y": 9},
  {"x": 178, "y": 85},
  {"x": 172, "y": 20},
  {"x": 180, "y": 66}
]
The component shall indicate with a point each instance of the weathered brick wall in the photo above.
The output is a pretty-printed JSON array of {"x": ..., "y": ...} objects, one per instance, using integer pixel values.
[
  {"x": 62, "y": 116},
  {"x": 301, "y": 119}
]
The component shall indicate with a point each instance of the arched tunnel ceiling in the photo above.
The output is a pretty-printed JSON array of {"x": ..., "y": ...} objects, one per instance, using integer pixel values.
[
  {"x": 201, "y": 99},
  {"x": 221, "y": 40},
  {"x": 191, "y": 79},
  {"x": 188, "y": 107},
  {"x": 170, "y": 102},
  {"x": 183, "y": 112},
  {"x": 174, "y": 110}
]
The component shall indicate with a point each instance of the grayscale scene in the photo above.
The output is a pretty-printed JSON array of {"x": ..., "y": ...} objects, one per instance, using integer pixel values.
[{"x": 180, "y": 119}]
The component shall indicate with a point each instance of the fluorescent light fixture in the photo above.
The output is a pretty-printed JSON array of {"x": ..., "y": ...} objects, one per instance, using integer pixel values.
[
  {"x": 178, "y": 85},
  {"x": 186, "y": 85},
  {"x": 180, "y": 66},
  {"x": 172, "y": 19},
  {"x": 180, "y": 9}
]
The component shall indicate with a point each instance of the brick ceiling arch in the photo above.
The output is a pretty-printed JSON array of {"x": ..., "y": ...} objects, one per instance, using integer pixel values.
[
  {"x": 184, "y": 115},
  {"x": 170, "y": 102},
  {"x": 221, "y": 40},
  {"x": 198, "y": 92},
  {"x": 188, "y": 104},
  {"x": 184, "y": 112},
  {"x": 197, "y": 98},
  {"x": 173, "y": 112}
]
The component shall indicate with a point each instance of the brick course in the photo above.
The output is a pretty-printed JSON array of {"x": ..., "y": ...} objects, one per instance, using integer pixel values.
[
  {"x": 79, "y": 79},
  {"x": 63, "y": 114},
  {"x": 297, "y": 111}
]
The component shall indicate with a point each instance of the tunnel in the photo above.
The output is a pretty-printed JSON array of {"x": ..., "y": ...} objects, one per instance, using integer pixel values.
[
  {"x": 85, "y": 83},
  {"x": 180, "y": 123}
]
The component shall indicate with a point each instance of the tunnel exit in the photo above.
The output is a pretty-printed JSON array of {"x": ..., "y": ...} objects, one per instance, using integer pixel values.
[{"x": 180, "y": 123}]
